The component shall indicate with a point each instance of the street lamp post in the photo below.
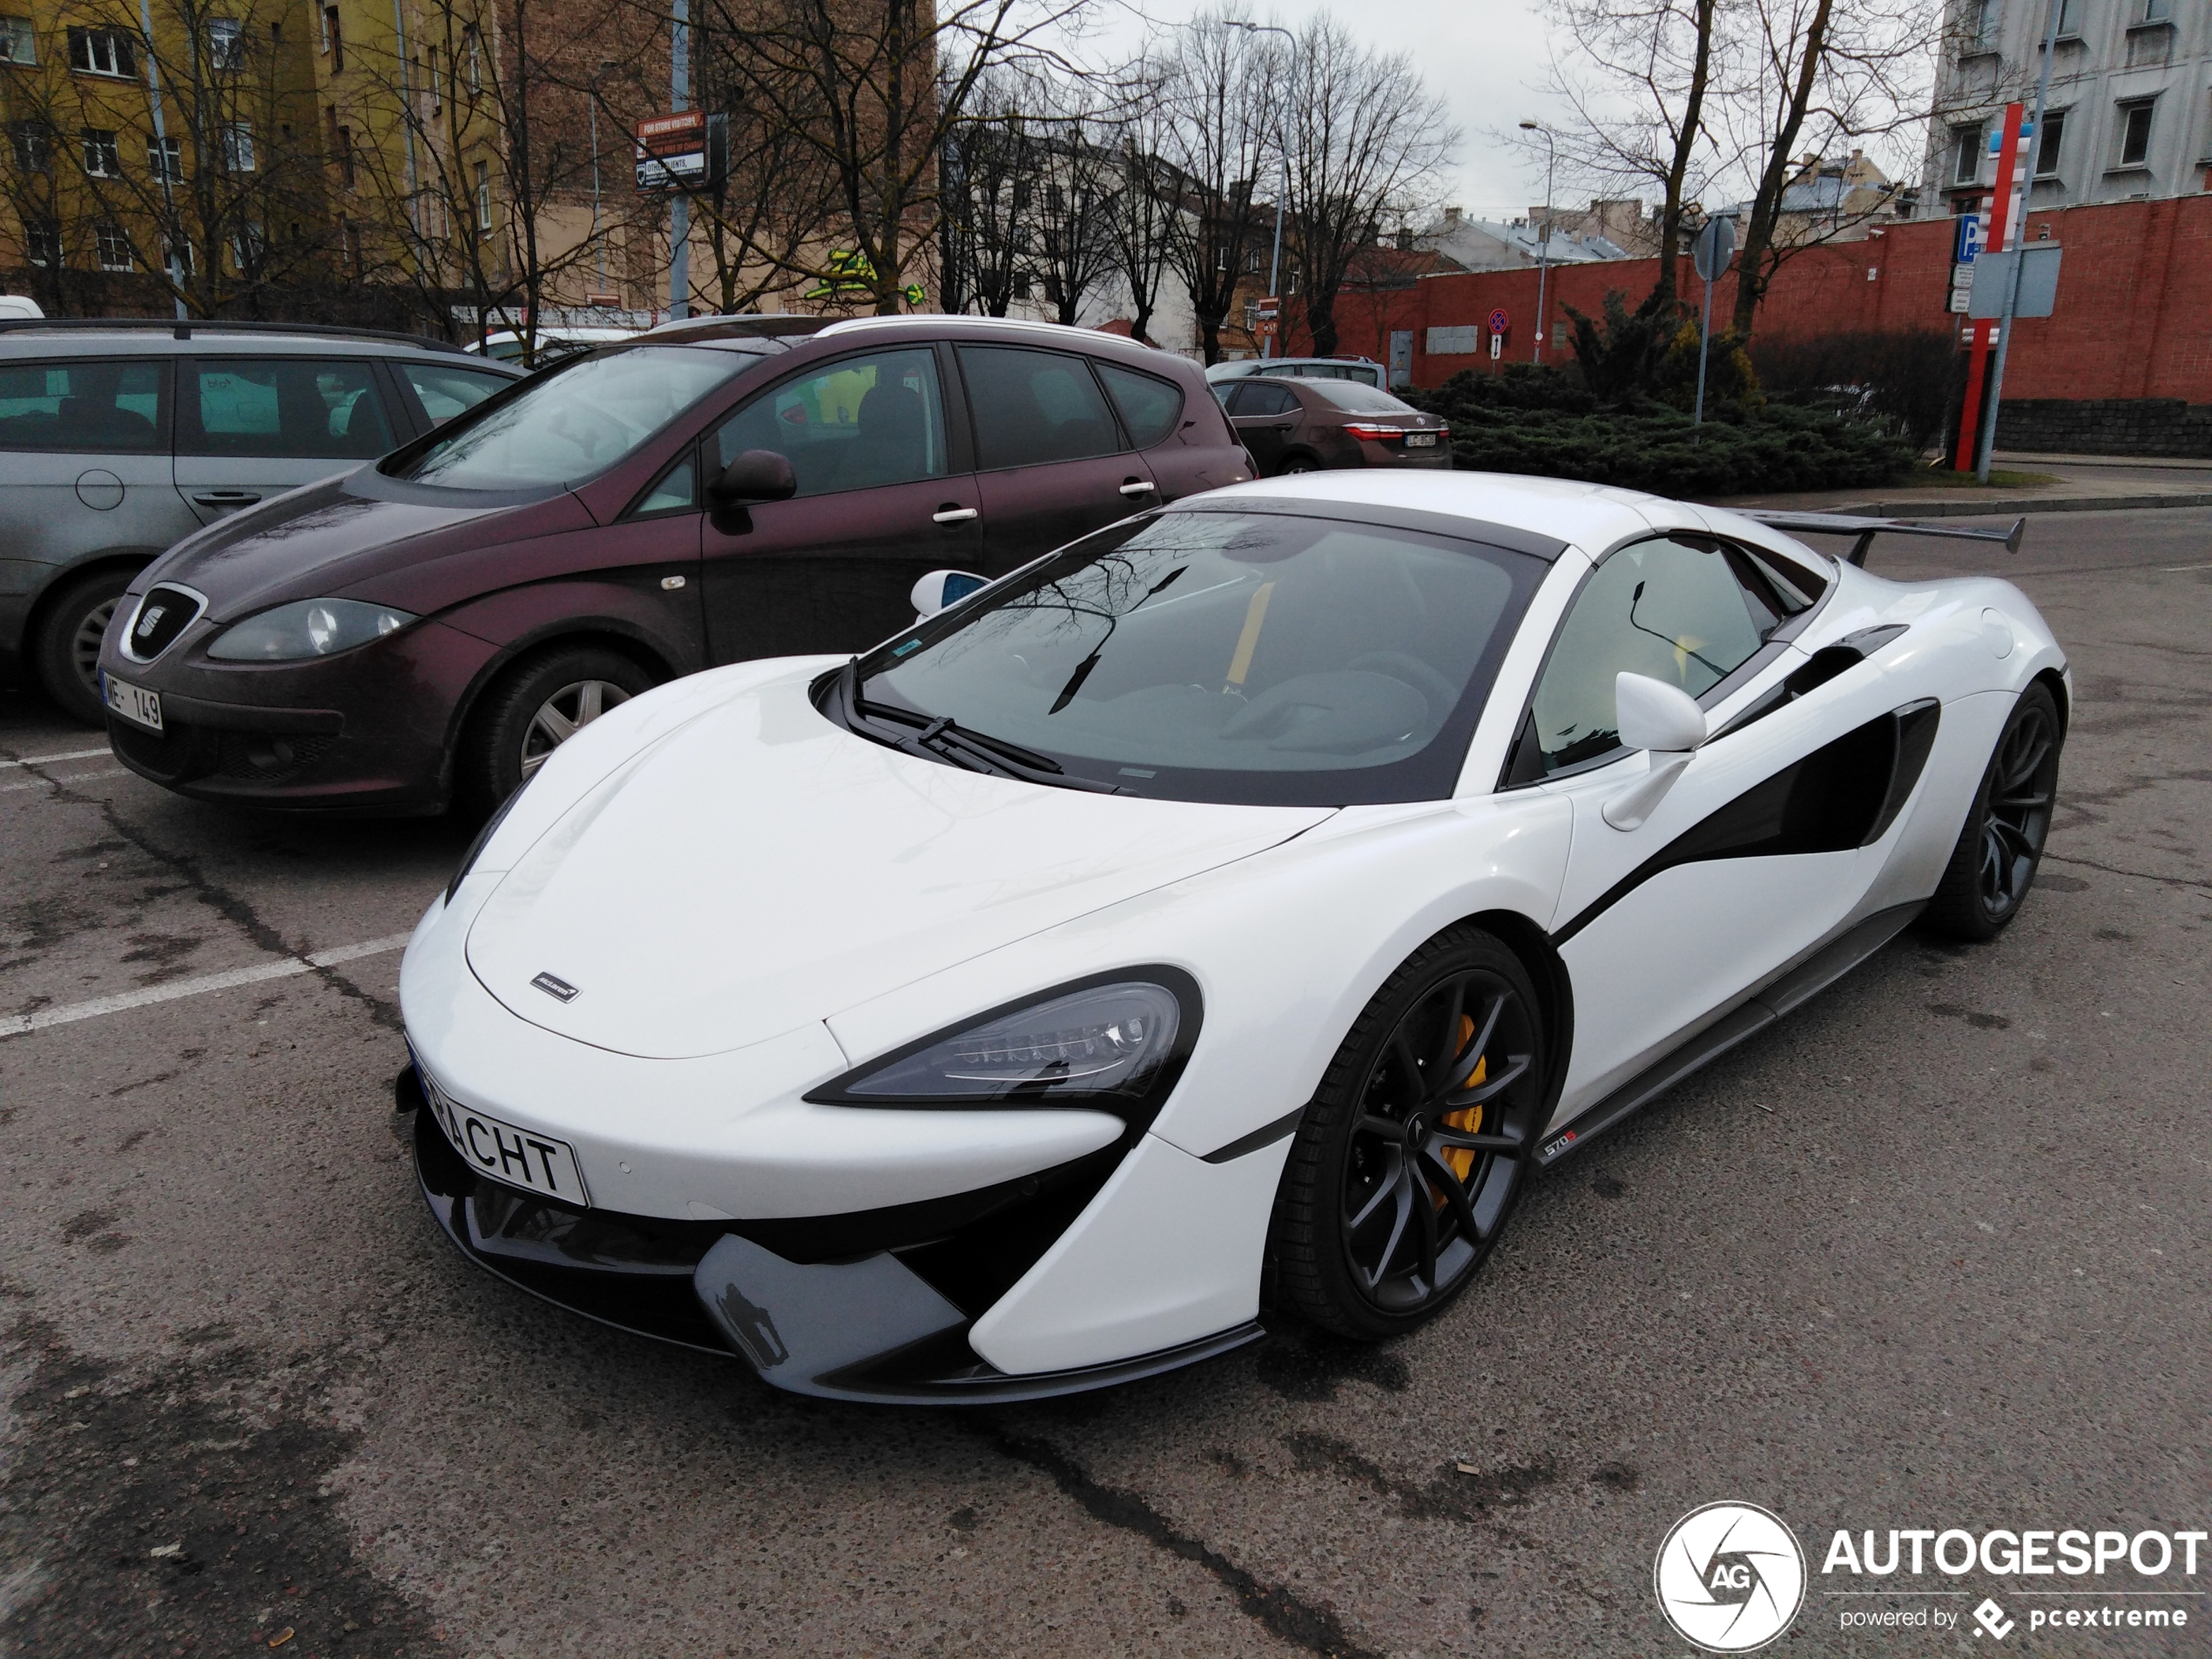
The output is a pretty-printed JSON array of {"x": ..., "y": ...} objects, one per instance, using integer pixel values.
[
  {"x": 1282, "y": 148},
  {"x": 1544, "y": 236}
]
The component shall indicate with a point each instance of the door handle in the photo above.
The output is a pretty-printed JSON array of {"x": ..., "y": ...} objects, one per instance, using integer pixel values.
[
  {"x": 1282, "y": 426},
  {"x": 226, "y": 498},
  {"x": 951, "y": 515},
  {"x": 1139, "y": 487}
]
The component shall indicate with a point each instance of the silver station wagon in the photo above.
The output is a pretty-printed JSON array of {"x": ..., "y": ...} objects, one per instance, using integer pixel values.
[{"x": 118, "y": 438}]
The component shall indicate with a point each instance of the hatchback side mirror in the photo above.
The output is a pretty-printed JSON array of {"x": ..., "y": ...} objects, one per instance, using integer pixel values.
[
  {"x": 941, "y": 587},
  {"x": 1665, "y": 719},
  {"x": 755, "y": 475}
]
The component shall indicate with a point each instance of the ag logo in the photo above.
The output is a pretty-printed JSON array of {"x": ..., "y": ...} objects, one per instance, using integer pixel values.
[{"x": 1729, "y": 1577}]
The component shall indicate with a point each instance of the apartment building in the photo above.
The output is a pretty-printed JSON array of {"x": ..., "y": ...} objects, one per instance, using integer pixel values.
[{"x": 2130, "y": 112}]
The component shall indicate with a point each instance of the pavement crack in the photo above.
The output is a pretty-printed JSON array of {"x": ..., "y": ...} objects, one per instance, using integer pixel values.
[
  {"x": 2133, "y": 875},
  {"x": 233, "y": 908},
  {"x": 1284, "y": 1615}
]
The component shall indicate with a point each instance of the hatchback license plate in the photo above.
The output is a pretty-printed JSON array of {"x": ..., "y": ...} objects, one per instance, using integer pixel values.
[
  {"x": 515, "y": 1158},
  {"x": 1420, "y": 440},
  {"x": 134, "y": 703}
]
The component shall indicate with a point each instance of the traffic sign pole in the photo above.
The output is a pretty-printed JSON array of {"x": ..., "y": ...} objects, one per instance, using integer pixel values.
[
  {"x": 1709, "y": 255},
  {"x": 2013, "y": 286},
  {"x": 2000, "y": 217}
]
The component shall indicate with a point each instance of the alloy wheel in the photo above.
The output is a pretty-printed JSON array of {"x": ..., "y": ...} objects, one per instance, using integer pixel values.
[
  {"x": 84, "y": 644},
  {"x": 561, "y": 715},
  {"x": 1445, "y": 1132},
  {"x": 2023, "y": 784}
]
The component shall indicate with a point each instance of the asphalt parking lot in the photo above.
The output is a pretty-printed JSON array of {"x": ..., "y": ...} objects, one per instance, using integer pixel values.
[{"x": 1932, "y": 1252}]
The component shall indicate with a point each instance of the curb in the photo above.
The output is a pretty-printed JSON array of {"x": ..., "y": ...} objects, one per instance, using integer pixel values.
[{"x": 2012, "y": 505}]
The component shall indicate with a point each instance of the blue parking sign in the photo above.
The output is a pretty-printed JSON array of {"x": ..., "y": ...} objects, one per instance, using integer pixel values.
[{"x": 1969, "y": 243}]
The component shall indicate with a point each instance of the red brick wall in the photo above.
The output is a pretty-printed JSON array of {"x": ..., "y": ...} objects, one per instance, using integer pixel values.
[{"x": 2133, "y": 320}]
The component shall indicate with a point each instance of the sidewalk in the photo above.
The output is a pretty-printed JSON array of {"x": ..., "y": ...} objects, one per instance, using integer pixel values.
[{"x": 2078, "y": 484}]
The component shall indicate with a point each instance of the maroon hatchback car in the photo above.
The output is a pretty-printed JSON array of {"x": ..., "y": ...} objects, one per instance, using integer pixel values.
[{"x": 427, "y": 628}]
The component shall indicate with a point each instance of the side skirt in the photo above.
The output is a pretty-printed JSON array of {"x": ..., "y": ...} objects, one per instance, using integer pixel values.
[{"x": 1797, "y": 985}]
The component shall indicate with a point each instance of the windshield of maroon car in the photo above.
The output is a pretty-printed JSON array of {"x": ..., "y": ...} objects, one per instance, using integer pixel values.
[
  {"x": 576, "y": 421},
  {"x": 1229, "y": 657}
]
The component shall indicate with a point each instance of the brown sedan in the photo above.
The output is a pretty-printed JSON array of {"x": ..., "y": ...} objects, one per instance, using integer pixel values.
[{"x": 1298, "y": 425}]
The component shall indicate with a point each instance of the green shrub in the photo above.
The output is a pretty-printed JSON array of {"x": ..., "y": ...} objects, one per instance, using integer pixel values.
[{"x": 1541, "y": 420}]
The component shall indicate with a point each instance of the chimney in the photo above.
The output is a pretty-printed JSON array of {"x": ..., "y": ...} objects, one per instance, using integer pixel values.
[{"x": 1450, "y": 219}]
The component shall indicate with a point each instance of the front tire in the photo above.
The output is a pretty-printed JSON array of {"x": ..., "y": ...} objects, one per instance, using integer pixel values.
[
  {"x": 2001, "y": 845},
  {"x": 65, "y": 649},
  {"x": 535, "y": 708},
  {"x": 1417, "y": 1143}
]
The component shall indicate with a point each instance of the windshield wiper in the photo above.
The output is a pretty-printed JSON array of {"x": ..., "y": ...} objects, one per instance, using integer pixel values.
[{"x": 937, "y": 736}]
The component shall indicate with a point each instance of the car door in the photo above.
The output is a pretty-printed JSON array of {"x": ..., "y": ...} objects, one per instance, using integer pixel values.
[
  {"x": 1753, "y": 856},
  {"x": 250, "y": 428},
  {"x": 1265, "y": 415},
  {"x": 84, "y": 464},
  {"x": 884, "y": 498},
  {"x": 1052, "y": 461}
]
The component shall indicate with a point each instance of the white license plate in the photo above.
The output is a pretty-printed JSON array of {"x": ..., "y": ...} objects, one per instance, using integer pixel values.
[
  {"x": 517, "y": 1157},
  {"x": 1420, "y": 440},
  {"x": 134, "y": 703}
]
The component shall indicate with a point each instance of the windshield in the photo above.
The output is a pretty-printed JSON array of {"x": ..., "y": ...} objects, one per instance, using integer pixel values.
[
  {"x": 1227, "y": 657},
  {"x": 576, "y": 421}
]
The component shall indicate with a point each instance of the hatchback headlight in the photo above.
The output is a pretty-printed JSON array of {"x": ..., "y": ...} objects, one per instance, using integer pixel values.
[
  {"x": 307, "y": 628},
  {"x": 1112, "y": 1043}
]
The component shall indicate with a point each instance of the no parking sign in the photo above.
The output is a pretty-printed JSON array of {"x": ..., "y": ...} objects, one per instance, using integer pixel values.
[{"x": 1498, "y": 322}]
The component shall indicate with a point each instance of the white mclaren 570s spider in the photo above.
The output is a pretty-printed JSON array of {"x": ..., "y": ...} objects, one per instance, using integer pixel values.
[{"x": 1221, "y": 919}]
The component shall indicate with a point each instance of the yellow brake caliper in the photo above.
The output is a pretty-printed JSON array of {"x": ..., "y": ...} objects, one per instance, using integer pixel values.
[{"x": 1460, "y": 1158}]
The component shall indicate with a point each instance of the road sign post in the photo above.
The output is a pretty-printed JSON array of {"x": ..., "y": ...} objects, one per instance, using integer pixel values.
[{"x": 1711, "y": 253}]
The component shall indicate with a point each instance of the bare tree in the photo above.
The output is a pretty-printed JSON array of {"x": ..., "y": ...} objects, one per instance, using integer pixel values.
[
  {"x": 1072, "y": 249},
  {"x": 1367, "y": 144},
  {"x": 986, "y": 187},
  {"x": 1220, "y": 97},
  {"x": 1142, "y": 220}
]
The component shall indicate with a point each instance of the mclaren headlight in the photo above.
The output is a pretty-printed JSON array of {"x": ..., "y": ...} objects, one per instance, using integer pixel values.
[
  {"x": 1117, "y": 1042},
  {"x": 307, "y": 628}
]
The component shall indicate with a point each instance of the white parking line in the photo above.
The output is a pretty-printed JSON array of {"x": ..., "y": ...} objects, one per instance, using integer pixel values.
[
  {"x": 74, "y": 778},
  {"x": 41, "y": 760},
  {"x": 17, "y": 1024}
]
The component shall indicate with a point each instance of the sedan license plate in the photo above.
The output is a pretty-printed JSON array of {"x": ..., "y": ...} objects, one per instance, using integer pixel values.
[
  {"x": 1420, "y": 440},
  {"x": 134, "y": 703},
  {"x": 515, "y": 1158}
]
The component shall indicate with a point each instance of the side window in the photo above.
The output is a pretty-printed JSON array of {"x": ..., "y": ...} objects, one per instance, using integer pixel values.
[
  {"x": 1032, "y": 407},
  {"x": 1257, "y": 397},
  {"x": 1221, "y": 390},
  {"x": 676, "y": 490},
  {"x": 283, "y": 407},
  {"x": 446, "y": 391},
  {"x": 90, "y": 404},
  {"x": 1674, "y": 609},
  {"x": 1151, "y": 406},
  {"x": 861, "y": 423}
]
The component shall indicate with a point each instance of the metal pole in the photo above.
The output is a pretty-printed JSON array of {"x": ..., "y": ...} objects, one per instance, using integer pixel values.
[
  {"x": 1544, "y": 236},
  {"x": 161, "y": 145},
  {"x": 1283, "y": 146},
  {"x": 679, "y": 209},
  {"x": 2018, "y": 247},
  {"x": 598, "y": 248},
  {"x": 1704, "y": 351}
]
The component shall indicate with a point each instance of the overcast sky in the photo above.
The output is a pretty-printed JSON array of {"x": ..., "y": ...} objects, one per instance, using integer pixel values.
[{"x": 1486, "y": 58}]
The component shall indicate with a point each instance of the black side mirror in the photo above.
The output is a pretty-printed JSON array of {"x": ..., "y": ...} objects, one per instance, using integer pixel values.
[{"x": 755, "y": 475}]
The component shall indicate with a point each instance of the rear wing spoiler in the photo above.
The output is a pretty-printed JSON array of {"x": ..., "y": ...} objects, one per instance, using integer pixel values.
[{"x": 1867, "y": 528}]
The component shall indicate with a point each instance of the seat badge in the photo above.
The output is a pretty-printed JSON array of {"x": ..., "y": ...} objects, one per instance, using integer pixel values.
[{"x": 554, "y": 986}]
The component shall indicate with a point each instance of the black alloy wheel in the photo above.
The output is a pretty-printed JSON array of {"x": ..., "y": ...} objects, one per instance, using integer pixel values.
[
  {"x": 535, "y": 708},
  {"x": 1297, "y": 464},
  {"x": 1994, "y": 863},
  {"x": 66, "y": 647},
  {"x": 1417, "y": 1143}
]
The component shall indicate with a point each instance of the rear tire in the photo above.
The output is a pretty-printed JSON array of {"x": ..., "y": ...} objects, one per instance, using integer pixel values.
[
  {"x": 533, "y": 709},
  {"x": 1416, "y": 1148},
  {"x": 1296, "y": 465},
  {"x": 65, "y": 647},
  {"x": 2001, "y": 844}
]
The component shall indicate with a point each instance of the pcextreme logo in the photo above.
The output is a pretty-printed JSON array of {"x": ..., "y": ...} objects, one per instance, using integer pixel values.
[{"x": 1729, "y": 1577}]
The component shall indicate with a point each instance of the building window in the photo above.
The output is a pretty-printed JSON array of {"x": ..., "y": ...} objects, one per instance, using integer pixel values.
[
  {"x": 349, "y": 239},
  {"x": 238, "y": 146},
  {"x": 2046, "y": 154},
  {"x": 34, "y": 145},
  {"x": 41, "y": 242},
  {"x": 247, "y": 246},
  {"x": 166, "y": 159},
  {"x": 2158, "y": 10},
  {"x": 2134, "y": 134},
  {"x": 333, "y": 38},
  {"x": 2069, "y": 18},
  {"x": 1985, "y": 19},
  {"x": 112, "y": 245},
  {"x": 102, "y": 159},
  {"x": 346, "y": 157},
  {"x": 101, "y": 51},
  {"x": 176, "y": 256},
  {"x": 483, "y": 199},
  {"x": 1967, "y": 147},
  {"x": 471, "y": 45},
  {"x": 225, "y": 43},
  {"x": 18, "y": 42}
]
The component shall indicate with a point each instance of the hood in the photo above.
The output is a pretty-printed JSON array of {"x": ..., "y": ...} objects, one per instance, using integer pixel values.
[
  {"x": 326, "y": 538},
  {"x": 760, "y": 869}
]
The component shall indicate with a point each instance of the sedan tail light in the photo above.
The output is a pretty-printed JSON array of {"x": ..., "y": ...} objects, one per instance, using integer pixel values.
[{"x": 1378, "y": 432}]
